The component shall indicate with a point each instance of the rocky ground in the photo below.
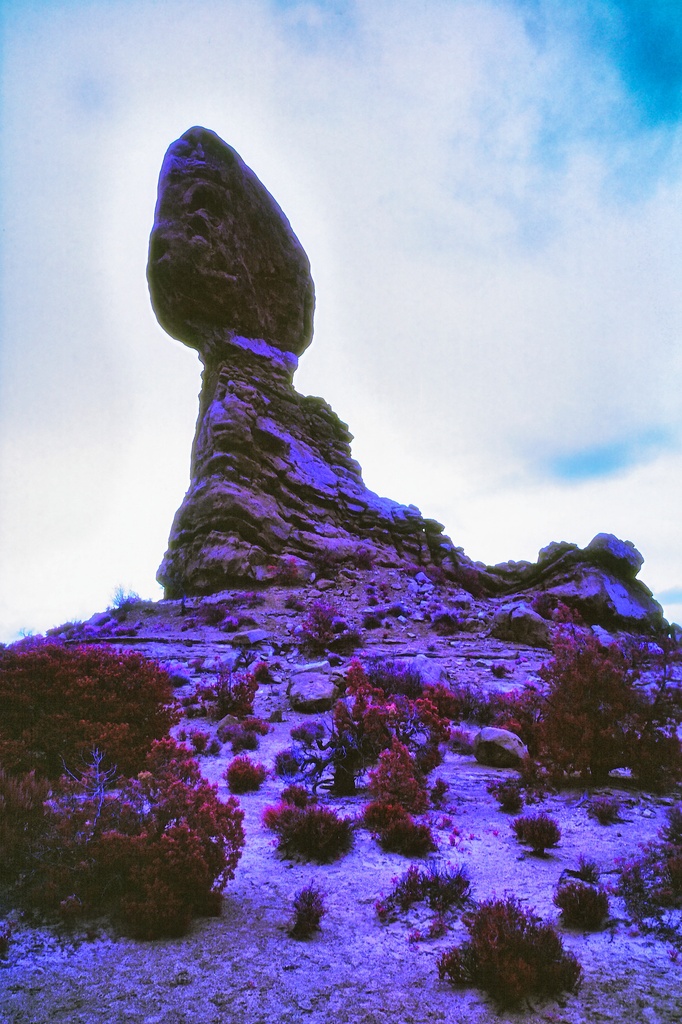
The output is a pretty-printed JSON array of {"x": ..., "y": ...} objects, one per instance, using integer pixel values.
[{"x": 242, "y": 967}]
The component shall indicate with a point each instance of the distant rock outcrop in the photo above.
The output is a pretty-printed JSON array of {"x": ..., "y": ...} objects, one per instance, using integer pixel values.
[
  {"x": 598, "y": 581},
  {"x": 274, "y": 490}
]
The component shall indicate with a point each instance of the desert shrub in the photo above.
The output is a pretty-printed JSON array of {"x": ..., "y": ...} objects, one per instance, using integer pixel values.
[
  {"x": 437, "y": 793},
  {"x": 57, "y": 703},
  {"x": 582, "y": 905},
  {"x": 287, "y": 763},
  {"x": 22, "y": 818},
  {"x": 395, "y": 780},
  {"x": 309, "y": 909},
  {"x": 234, "y": 693},
  {"x": 443, "y": 888},
  {"x": 243, "y": 776},
  {"x": 318, "y": 626},
  {"x": 393, "y": 678},
  {"x": 588, "y": 870},
  {"x": 307, "y": 733},
  {"x": 314, "y": 833},
  {"x": 371, "y": 620},
  {"x": 243, "y": 739},
  {"x": 605, "y": 809},
  {"x": 511, "y": 954},
  {"x": 199, "y": 740},
  {"x": 402, "y": 834},
  {"x": 256, "y": 725},
  {"x": 672, "y": 832},
  {"x": 289, "y": 572},
  {"x": 537, "y": 831},
  {"x": 364, "y": 723},
  {"x": 445, "y": 623},
  {"x": 443, "y": 699},
  {"x": 152, "y": 854},
  {"x": 5, "y": 937},
  {"x": 124, "y": 600},
  {"x": 651, "y": 883},
  {"x": 297, "y": 796},
  {"x": 377, "y": 815},
  {"x": 462, "y": 740},
  {"x": 508, "y": 793},
  {"x": 596, "y": 719},
  {"x": 535, "y": 780},
  {"x": 212, "y": 614}
]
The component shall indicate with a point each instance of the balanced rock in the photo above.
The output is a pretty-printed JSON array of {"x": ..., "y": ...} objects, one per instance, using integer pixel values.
[
  {"x": 223, "y": 259},
  {"x": 273, "y": 483}
]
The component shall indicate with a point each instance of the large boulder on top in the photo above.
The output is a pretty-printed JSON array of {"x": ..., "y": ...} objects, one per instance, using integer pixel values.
[{"x": 223, "y": 259}]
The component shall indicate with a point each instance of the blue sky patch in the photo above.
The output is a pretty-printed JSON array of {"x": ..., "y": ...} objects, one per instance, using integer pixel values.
[{"x": 603, "y": 460}]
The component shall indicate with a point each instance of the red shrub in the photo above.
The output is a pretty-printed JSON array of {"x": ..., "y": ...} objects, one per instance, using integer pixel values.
[
  {"x": 22, "y": 819},
  {"x": 538, "y": 831},
  {"x": 511, "y": 954},
  {"x": 243, "y": 776},
  {"x": 444, "y": 700},
  {"x": 308, "y": 909},
  {"x": 318, "y": 626},
  {"x": 582, "y": 905},
  {"x": 596, "y": 720},
  {"x": 404, "y": 835},
  {"x": 605, "y": 809},
  {"x": 315, "y": 833},
  {"x": 395, "y": 780},
  {"x": 234, "y": 693},
  {"x": 57, "y": 703},
  {"x": 152, "y": 854},
  {"x": 297, "y": 796},
  {"x": 508, "y": 792},
  {"x": 377, "y": 815},
  {"x": 437, "y": 793}
]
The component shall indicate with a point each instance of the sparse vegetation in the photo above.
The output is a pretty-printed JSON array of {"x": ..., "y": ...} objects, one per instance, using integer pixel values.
[
  {"x": 511, "y": 954},
  {"x": 309, "y": 909},
  {"x": 538, "y": 831}
]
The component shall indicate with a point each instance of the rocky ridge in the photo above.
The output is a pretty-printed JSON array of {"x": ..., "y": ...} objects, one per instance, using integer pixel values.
[{"x": 275, "y": 492}]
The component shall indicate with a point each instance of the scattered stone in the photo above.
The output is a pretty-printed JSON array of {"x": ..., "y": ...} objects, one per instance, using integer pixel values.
[
  {"x": 312, "y": 692},
  {"x": 522, "y": 625},
  {"x": 250, "y": 637}
]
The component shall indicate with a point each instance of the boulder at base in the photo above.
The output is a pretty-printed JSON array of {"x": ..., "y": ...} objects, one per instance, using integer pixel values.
[{"x": 499, "y": 748}]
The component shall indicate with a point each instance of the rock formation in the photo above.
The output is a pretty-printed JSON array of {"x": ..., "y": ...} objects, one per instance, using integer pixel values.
[
  {"x": 598, "y": 581},
  {"x": 273, "y": 485},
  {"x": 274, "y": 489}
]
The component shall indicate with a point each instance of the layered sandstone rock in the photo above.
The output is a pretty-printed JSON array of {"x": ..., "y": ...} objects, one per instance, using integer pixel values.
[
  {"x": 598, "y": 581},
  {"x": 274, "y": 488},
  {"x": 274, "y": 491}
]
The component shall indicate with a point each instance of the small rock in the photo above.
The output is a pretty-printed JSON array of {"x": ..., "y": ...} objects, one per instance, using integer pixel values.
[
  {"x": 310, "y": 693},
  {"x": 250, "y": 637},
  {"x": 521, "y": 624}
]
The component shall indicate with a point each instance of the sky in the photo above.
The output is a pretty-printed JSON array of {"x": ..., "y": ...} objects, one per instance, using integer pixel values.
[{"x": 490, "y": 195}]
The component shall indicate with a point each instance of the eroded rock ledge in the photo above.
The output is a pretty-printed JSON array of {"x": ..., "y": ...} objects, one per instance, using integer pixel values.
[{"x": 274, "y": 488}]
